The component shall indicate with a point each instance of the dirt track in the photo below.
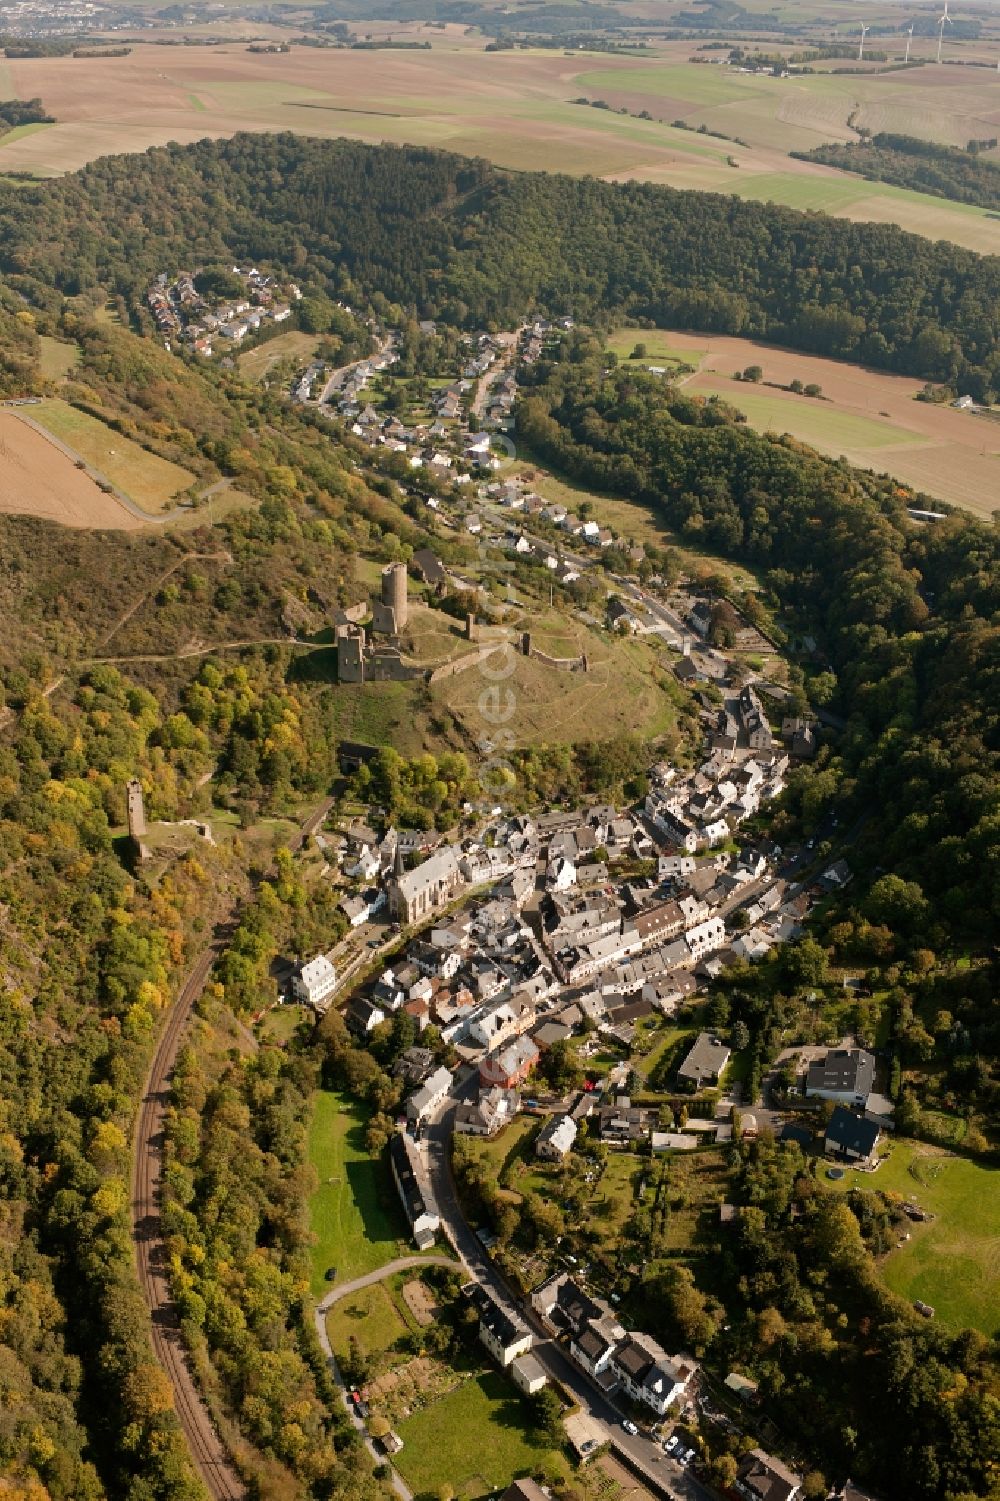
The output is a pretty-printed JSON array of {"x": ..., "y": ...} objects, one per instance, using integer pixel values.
[
  {"x": 39, "y": 478},
  {"x": 207, "y": 1450}
]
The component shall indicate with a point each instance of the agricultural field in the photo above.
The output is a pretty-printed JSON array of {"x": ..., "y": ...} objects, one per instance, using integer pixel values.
[
  {"x": 517, "y": 108},
  {"x": 152, "y": 483},
  {"x": 870, "y": 417},
  {"x": 354, "y": 1213},
  {"x": 39, "y": 479},
  {"x": 952, "y": 1262}
]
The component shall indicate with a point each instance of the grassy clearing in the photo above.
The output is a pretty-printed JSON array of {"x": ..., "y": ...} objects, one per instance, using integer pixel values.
[
  {"x": 659, "y": 349},
  {"x": 477, "y": 1437},
  {"x": 280, "y": 1025},
  {"x": 294, "y": 345},
  {"x": 56, "y": 358},
  {"x": 370, "y": 1317},
  {"x": 355, "y": 1212},
  {"x": 151, "y": 482},
  {"x": 952, "y": 1263},
  {"x": 627, "y": 688}
]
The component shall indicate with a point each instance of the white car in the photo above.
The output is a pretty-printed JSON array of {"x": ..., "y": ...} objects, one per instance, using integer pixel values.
[{"x": 629, "y": 1426}]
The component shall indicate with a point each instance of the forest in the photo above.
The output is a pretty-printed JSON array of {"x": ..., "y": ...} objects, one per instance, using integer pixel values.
[
  {"x": 908, "y": 162},
  {"x": 465, "y": 242}
]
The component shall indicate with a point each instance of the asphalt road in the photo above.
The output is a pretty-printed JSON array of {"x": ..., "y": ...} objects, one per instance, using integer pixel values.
[{"x": 643, "y": 1454}]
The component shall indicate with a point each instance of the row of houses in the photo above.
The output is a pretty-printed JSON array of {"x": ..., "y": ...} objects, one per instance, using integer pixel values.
[{"x": 181, "y": 311}]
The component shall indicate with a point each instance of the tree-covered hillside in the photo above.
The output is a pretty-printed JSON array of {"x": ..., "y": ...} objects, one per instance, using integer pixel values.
[{"x": 465, "y": 241}]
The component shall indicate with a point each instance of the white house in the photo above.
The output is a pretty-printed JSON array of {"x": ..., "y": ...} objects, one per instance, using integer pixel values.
[
  {"x": 315, "y": 983},
  {"x": 706, "y": 937},
  {"x": 649, "y": 1374},
  {"x": 556, "y": 1138},
  {"x": 502, "y": 1331},
  {"x": 415, "y": 1191},
  {"x": 425, "y": 1100},
  {"x": 560, "y": 874}
]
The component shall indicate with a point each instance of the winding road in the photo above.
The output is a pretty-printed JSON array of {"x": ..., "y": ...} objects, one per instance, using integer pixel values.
[{"x": 208, "y": 1453}]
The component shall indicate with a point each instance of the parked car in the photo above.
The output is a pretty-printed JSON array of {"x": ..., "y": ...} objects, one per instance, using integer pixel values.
[
  {"x": 686, "y": 1458},
  {"x": 671, "y": 1444},
  {"x": 629, "y": 1426}
]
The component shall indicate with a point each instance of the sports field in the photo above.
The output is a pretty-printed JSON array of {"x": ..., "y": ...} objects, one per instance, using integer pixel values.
[
  {"x": 870, "y": 417},
  {"x": 517, "y": 109},
  {"x": 952, "y": 1262},
  {"x": 149, "y": 481},
  {"x": 38, "y": 479}
]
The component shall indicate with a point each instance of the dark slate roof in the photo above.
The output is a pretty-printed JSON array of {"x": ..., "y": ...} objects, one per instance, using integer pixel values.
[
  {"x": 575, "y": 1305},
  {"x": 850, "y": 1132},
  {"x": 502, "y": 1323},
  {"x": 847, "y": 1070},
  {"x": 763, "y": 1476}
]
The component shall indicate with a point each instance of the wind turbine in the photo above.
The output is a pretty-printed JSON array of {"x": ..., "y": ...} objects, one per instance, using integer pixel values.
[
  {"x": 864, "y": 32},
  {"x": 944, "y": 17},
  {"x": 909, "y": 43}
]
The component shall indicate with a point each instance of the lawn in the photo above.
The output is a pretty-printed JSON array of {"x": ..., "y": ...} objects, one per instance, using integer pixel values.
[
  {"x": 952, "y": 1263},
  {"x": 280, "y": 1025},
  {"x": 151, "y": 482},
  {"x": 478, "y": 1438},
  {"x": 355, "y": 1213},
  {"x": 371, "y": 1317}
]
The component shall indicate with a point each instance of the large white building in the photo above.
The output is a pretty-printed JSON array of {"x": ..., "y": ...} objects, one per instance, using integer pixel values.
[{"x": 315, "y": 983}]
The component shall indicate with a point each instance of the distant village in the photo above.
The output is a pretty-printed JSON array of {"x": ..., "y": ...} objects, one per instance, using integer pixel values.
[
  {"x": 207, "y": 323},
  {"x": 456, "y": 443}
]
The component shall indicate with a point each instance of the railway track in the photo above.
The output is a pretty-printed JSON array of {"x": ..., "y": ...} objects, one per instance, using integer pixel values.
[{"x": 208, "y": 1452}]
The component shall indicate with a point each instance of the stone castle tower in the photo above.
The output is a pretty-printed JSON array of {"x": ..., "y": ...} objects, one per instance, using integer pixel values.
[
  {"x": 394, "y": 592},
  {"x": 136, "y": 811}
]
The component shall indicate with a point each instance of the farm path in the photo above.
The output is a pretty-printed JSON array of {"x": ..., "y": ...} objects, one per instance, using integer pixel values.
[
  {"x": 101, "y": 479},
  {"x": 221, "y": 555},
  {"x": 198, "y": 651}
]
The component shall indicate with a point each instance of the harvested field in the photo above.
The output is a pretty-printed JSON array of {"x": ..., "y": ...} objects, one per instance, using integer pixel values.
[
  {"x": 38, "y": 479},
  {"x": 148, "y": 481},
  {"x": 871, "y": 418},
  {"x": 516, "y": 108}
]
